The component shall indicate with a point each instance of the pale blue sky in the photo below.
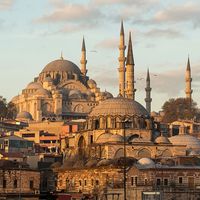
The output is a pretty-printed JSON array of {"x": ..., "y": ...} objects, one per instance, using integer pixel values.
[{"x": 33, "y": 33}]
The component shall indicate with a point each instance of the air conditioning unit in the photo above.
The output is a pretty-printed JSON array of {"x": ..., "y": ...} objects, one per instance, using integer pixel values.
[{"x": 37, "y": 191}]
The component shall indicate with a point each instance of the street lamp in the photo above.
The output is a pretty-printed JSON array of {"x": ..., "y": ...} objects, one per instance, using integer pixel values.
[{"x": 124, "y": 123}]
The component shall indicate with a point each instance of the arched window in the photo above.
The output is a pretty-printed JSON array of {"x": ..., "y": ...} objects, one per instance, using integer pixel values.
[{"x": 81, "y": 146}]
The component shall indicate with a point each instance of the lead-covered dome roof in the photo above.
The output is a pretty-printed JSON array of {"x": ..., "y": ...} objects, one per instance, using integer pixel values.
[
  {"x": 24, "y": 115},
  {"x": 34, "y": 85},
  {"x": 62, "y": 65},
  {"x": 191, "y": 142},
  {"x": 119, "y": 106}
]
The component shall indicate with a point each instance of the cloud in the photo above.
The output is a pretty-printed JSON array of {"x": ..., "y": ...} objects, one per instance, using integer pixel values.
[
  {"x": 6, "y": 4},
  {"x": 57, "y": 3},
  {"x": 173, "y": 14},
  {"x": 125, "y": 2},
  {"x": 110, "y": 43},
  {"x": 167, "y": 33},
  {"x": 189, "y": 11},
  {"x": 72, "y": 13}
]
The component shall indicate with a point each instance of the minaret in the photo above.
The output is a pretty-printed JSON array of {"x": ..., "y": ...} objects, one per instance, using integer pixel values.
[
  {"x": 83, "y": 60},
  {"x": 130, "y": 90},
  {"x": 188, "y": 81},
  {"x": 148, "y": 98},
  {"x": 122, "y": 59}
]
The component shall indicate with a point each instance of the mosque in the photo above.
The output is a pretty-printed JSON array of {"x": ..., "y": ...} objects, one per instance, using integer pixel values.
[
  {"x": 93, "y": 155},
  {"x": 119, "y": 128},
  {"x": 61, "y": 91}
]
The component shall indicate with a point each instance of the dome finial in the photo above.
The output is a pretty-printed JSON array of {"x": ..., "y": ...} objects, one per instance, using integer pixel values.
[{"x": 61, "y": 56}]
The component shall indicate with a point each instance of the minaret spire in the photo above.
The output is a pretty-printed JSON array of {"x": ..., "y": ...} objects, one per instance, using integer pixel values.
[
  {"x": 83, "y": 60},
  {"x": 61, "y": 56},
  {"x": 122, "y": 59},
  {"x": 188, "y": 81},
  {"x": 148, "y": 98},
  {"x": 130, "y": 89}
]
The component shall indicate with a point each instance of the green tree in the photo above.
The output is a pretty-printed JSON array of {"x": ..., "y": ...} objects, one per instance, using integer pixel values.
[
  {"x": 3, "y": 107},
  {"x": 7, "y": 110},
  {"x": 180, "y": 108},
  {"x": 11, "y": 110}
]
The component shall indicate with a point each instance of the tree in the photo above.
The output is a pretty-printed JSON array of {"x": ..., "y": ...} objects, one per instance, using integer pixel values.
[
  {"x": 7, "y": 110},
  {"x": 180, "y": 108},
  {"x": 3, "y": 107},
  {"x": 11, "y": 110}
]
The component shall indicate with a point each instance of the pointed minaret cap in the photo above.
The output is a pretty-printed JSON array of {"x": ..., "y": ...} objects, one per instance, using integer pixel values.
[
  {"x": 130, "y": 60},
  {"x": 122, "y": 28},
  {"x": 188, "y": 64},
  {"x": 83, "y": 45},
  {"x": 61, "y": 56},
  {"x": 148, "y": 76}
]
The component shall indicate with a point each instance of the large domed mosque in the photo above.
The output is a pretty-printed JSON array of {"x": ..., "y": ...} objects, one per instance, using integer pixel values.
[
  {"x": 61, "y": 91},
  {"x": 94, "y": 153},
  {"x": 64, "y": 91}
]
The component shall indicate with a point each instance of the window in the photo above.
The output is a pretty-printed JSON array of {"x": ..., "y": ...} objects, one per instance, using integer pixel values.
[
  {"x": 165, "y": 181},
  {"x": 97, "y": 182},
  {"x": 92, "y": 182},
  {"x": 145, "y": 181},
  {"x": 91, "y": 139},
  {"x": 4, "y": 183},
  {"x": 70, "y": 129},
  {"x": 85, "y": 182},
  {"x": 15, "y": 183},
  {"x": 134, "y": 180},
  {"x": 31, "y": 184},
  {"x": 80, "y": 182},
  {"x": 180, "y": 180},
  {"x": 158, "y": 181}
]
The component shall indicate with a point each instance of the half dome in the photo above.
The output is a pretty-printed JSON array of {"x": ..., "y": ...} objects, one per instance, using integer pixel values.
[
  {"x": 42, "y": 92},
  {"x": 33, "y": 86},
  {"x": 162, "y": 140},
  {"x": 119, "y": 106}
]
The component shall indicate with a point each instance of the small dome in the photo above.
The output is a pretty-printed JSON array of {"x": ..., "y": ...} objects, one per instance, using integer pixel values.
[
  {"x": 89, "y": 93},
  {"x": 119, "y": 106},
  {"x": 48, "y": 79},
  {"x": 103, "y": 138},
  {"x": 91, "y": 163},
  {"x": 75, "y": 94},
  {"x": 61, "y": 65},
  {"x": 162, "y": 140},
  {"x": 146, "y": 162},
  {"x": 91, "y": 83},
  {"x": 24, "y": 116},
  {"x": 108, "y": 95},
  {"x": 116, "y": 138},
  {"x": 185, "y": 139},
  {"x": 33, "y": 86},
  {"x": 42, "y": 92},
  {"x": 104, "y": 162},
  {"x": 193, "y": 153}
]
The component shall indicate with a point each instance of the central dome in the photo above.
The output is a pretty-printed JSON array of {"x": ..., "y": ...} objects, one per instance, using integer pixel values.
[
  {"x": 119, "y": 106},
  {"x": 62, "y": 65}
]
